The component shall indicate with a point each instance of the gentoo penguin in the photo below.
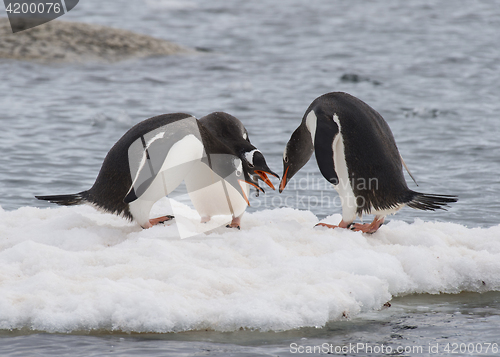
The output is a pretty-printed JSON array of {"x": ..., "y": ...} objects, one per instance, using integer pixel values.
[
  {"x": 231, "y": 131},
  {"x": 356, "y": 152},
  {"x": 150, "y": 161}
]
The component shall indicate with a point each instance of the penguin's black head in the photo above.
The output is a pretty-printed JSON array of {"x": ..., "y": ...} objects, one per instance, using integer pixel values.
[
  {"x": 255, "y": 165},
  {"x": 297, "y": 153},
  {"x": 232, "y": 169}
]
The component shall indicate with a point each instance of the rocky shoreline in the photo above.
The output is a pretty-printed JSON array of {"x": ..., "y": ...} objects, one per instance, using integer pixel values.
[{"x": 70, "y": 42}]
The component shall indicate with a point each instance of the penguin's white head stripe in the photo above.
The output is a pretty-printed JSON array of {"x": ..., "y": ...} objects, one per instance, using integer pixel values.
[
  {"x": 245, "y": 136},
  {"x": 249, "y": 156},
  {"x": 311, "y": 122}
]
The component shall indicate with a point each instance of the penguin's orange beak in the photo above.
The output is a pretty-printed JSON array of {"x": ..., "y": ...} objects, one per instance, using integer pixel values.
[
  {"x": 254, "y": 185},
  {"x": 283, "y": 180},
  {"x": 263, "y": 177},
  {"x": 243, "y": 191}
]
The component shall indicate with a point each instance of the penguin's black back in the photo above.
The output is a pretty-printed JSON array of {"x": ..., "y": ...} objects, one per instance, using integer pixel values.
[{"x": 372, "y": 157}]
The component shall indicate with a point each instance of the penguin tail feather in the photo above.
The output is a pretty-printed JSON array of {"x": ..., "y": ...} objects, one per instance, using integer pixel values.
[
  {"x": 64, "y": 200},
  {"x": 429, "y": 202}
]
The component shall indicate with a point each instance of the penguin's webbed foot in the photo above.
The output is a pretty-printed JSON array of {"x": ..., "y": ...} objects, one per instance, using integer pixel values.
[
  {"x": 162, "y": 220},
  {"x": 235, "y": 223},
  {"x": 342, "y": 224},
  {"x": 365, "y": 228},
  {"x": 369, "y": 228},
  {"x": 327, "y": 225}
]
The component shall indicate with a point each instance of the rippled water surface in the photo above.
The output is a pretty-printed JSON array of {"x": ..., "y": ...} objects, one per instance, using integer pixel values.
[{"x": 431, "y": 68}]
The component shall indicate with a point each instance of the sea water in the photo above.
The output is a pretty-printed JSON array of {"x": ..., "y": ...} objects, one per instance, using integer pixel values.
[{"x": 76, "y": 281}]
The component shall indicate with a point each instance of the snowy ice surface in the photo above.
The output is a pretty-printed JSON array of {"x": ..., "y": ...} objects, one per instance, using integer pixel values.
[{"x": 72, "y": 268}]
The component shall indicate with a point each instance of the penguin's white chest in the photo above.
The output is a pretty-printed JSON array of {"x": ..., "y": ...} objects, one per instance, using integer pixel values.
[
  {"x": 344, "y": 186},
  {"x": 213, "y": 195}
]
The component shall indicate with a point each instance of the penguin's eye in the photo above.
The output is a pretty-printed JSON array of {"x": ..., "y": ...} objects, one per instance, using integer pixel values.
[
  {"x": 238, "y": 173},
  {"x": 285, "y": 159},
  {"x": 250, "y": 165}
]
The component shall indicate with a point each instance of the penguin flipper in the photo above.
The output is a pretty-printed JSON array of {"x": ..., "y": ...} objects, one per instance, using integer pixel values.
[
  {"x": 64, "y": 200},
  {"x": 408, "y": 170},
  {"x": 132, "y": 196},
  {"x": 323, "y": 148}
]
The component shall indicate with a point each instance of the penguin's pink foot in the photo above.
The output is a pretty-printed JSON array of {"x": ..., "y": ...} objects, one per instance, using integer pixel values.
[
  {"x": 159, "y": 220},
  {"x": 235, "y": 223},
  {"x": 205, "y": 219},
  {"x": 368, "y": 227},
  {"x": 342, "y": 224},
  {"x": 327, "y": 225}
]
